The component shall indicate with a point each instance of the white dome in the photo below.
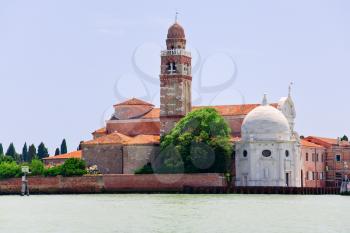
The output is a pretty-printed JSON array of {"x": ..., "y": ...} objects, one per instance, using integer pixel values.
[{"x": 265, "y": 123}]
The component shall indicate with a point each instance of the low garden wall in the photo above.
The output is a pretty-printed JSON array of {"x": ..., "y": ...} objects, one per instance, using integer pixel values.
[{"x": 112, "y": 183}]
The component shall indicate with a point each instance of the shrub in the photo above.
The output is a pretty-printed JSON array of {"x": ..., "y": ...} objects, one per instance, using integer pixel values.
[
  {"x": 9, "y": 170},
  {"x": 36, "y": 167},
  {"x": 147, "y": 169},
  {"x": 5, "y": 158},
  {"x": 73, "y": 167},
  {"x": 52, "y": 171}
]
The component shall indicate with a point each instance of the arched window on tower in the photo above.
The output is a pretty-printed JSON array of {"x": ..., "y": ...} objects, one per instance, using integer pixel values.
[
  {"x": 171, "y": 68},
  {"x": 185, "y": 69}
]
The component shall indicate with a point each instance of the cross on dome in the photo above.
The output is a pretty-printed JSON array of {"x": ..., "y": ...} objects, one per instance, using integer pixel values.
[
  {"x": 264, "y": 102},
  {"x": 290, "y": 88},
  {"x": 176, "y": 15}
]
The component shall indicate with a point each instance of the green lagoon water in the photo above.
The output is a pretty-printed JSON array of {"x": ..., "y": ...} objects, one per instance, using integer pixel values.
[{"x": 139, "y": 213}]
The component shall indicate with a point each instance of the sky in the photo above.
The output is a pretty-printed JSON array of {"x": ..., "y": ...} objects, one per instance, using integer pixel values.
[{"x": 64, "y": 63}]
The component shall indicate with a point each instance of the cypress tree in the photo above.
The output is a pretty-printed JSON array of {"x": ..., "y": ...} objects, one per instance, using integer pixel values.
[
  {"x": 11, "y": 151},
  {"x": 79, "y": 147},
  {"x": 57, "y": 151},
  {"x": 42, "y": 151},
  {"x": 25, "y": 153},
  {"x": 31, "y": 152},
  {"x": 64, "y": 147},
  {"x": 1, "y": 149}
]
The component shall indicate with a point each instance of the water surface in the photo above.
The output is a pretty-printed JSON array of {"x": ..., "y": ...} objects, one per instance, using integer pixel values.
[{"x": 139, "y": 213}]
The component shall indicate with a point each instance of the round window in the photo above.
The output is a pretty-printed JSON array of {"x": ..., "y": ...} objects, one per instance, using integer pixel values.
[
  {"x": 287, "y": 153},
  {"x": 245, "y": 153},
  {"x": 266, "y": 153}
]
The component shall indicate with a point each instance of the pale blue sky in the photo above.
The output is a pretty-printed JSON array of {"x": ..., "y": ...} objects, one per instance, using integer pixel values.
[{"x": 60, "y": 60}]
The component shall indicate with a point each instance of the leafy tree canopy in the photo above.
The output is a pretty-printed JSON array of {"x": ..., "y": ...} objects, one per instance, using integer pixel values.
[
  {"x": 345, "y": 138},
  {"x": 199, "y": 142},
  {"x": 73, "y": 167},
  {"x": 36, "y": 167}
]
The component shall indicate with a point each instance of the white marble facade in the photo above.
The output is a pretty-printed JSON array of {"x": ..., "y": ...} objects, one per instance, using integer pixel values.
[{"x": 269, "y": 151}]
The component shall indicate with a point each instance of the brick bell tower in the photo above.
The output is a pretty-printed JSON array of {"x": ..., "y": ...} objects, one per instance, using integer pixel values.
[{"x": 175, "y": 79}]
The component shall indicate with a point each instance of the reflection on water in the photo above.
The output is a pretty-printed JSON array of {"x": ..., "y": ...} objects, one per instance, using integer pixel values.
[{"x": 138, "y": 213}]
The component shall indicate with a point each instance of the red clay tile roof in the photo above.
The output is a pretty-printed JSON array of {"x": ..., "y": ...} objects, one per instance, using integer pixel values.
[
  {"x": 134, "y": 101},
  {"x": 118, "y": 138},
  {"x": 331, "y": 141},
  {"x": 154, "y": 113},
  {"x": 113, "y": 138},
  {"x": 224, "y": 110},
  {"x": 144, "y": 139},
  {"x": 306, "y": 143},
  {"x": 74, "y": 154},
  {"x": 102, "y": 130}
]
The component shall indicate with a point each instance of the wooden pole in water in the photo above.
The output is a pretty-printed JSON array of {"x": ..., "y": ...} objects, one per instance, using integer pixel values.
[{"x": 25, "y": 187}]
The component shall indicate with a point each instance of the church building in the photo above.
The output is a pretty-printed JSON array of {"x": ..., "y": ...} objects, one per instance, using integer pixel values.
[{"x": 268, "y": 151}]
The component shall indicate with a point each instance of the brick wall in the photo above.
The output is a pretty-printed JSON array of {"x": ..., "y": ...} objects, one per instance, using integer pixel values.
[
  {"x": 113, "y": 183},
  {"x": 108, "y": 158},
  {"x": 136, "y": 156},
  {"x": 313, "y": 170}
]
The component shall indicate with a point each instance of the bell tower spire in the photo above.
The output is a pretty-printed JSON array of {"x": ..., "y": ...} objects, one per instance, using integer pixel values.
[{"x": 175, "y": 79}]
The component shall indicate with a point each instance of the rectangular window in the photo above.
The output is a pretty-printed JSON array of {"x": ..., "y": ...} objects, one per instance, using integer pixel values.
[
  {"x": 337, "y": 158},
  {"x": 317, "y": 159},
  {"x": 307, "y": 157},
  {"x": 310, "y": 175}
]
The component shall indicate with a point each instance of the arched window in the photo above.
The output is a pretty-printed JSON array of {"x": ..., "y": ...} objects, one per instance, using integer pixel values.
[
  {"x": 171, "y": 68},
  {"x": 245, "y": 153},
  {"x": 266, "y": 153},
  {"x": 287, "y": 153}
]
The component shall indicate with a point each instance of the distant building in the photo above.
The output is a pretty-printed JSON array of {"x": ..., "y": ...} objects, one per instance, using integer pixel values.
[
  {"x": 336, "y": 157},
  {"x": 268, "y": 150},
  {"x": 313, "y": 171},
  {"x": 59, "y": 159}
]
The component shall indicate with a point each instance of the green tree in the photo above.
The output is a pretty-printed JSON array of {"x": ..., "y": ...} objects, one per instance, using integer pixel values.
[
  {"x": 25, "y": 153},
  {"x": 11, "y": 151},
  {"x": 5, "y": 158},
  {"x": 199, "y": 142},
  {"x": 31, "y": 153},
  {"x": 1, "y": 149},
  {"x": 57, "y": 151},
  {"x": 345, "y": 138},
  {"x": 9, "y": 170},
  {"x": 73, "y": 167},
  {"x": 64, "y": 147},
  {"x": 36, "y": 167},
  {"x": 42, "y": 151}
]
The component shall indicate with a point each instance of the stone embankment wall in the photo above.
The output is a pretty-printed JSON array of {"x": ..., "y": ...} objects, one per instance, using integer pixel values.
[{"x": 112, "y": 183}]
